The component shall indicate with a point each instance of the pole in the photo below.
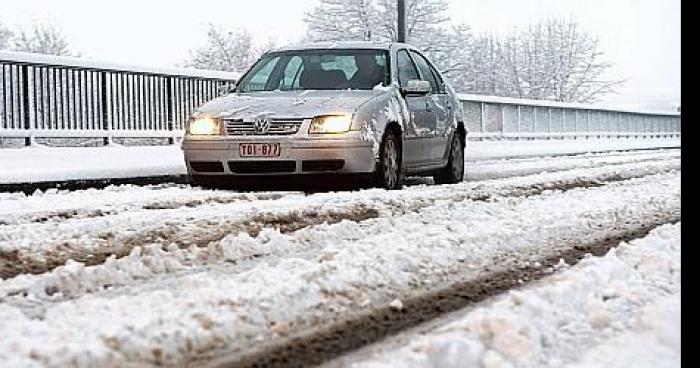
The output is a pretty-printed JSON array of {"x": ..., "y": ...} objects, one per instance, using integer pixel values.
[{"x": 401, "y": 32}]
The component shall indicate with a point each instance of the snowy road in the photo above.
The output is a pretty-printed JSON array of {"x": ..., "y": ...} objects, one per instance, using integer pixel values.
[{"x": 173, "y": 275}]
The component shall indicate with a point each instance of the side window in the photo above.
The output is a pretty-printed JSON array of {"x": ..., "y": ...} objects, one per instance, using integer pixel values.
[
  {"x": 425, "y": 71},
  {"x": 440, "y": 82},
  {"x": 290, "y": 78},
  {"x": 406, "y": 69}
]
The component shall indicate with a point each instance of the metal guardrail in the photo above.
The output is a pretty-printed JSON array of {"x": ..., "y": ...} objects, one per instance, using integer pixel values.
[
  {"x": 47, "y": 96},
  {"x": 490, "y": 118}
]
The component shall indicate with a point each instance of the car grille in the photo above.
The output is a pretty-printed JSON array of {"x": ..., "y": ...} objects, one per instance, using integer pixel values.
[{"x": 277, "y": 127}]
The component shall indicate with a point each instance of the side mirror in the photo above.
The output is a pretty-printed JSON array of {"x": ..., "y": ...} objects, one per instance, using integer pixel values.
[{"x": 416, "y": 87}]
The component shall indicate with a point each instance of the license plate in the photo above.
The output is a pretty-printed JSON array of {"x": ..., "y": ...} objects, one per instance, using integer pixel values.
[{"x": 259, "y": 149}]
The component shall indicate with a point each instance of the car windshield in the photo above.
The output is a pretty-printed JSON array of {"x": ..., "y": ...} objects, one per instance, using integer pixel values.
[{"x": 331, "y": 69}]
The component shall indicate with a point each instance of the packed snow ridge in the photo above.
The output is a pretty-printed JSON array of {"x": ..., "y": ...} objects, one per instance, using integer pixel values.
[{"x": 620, "y": 310}]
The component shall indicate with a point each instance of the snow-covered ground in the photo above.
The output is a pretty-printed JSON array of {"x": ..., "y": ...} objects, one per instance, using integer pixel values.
[
  {"x": 40, "y": 164},
  {"x": 37, "y": 164},
  {"x": 216, "y": 270},
  {"x": 620, "y": 310}
]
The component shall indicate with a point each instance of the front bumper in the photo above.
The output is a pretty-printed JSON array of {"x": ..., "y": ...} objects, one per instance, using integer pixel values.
[{"x": 218, "y": 156}]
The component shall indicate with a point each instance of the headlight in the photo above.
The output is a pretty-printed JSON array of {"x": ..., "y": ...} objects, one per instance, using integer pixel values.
[
  {"x": 330, "y": 124},
  {"x": 205, "y": 126}
]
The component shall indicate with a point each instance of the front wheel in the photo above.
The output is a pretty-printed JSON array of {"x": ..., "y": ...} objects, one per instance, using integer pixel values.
[
  {"x": 453, "y": 172},
  {"x": 388, "y": 173}
]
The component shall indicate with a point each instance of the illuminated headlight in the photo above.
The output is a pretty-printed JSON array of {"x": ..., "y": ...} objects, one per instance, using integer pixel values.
[
  {"x": 330, "y": 124},
  {"x": 205, "y": 126}
]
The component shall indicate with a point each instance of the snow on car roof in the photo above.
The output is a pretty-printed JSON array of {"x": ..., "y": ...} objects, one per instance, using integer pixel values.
[{"x": 335, "y": 45}]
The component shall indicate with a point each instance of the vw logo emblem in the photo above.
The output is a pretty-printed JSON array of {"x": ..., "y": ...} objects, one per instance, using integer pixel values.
[{"x": 261, "y": 125}]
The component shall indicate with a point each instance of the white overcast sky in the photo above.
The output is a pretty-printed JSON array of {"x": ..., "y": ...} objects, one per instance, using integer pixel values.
[{"x": 642, "y": 37}]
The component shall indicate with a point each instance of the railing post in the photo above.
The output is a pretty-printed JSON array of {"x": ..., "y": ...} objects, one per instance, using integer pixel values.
[
  {"x": 563, "y": 121},
  {"x": 482, "y": 105},
  {"x": 588, "y": 123},
  {"x": 169, "y": 94},
  {"x": 619, "y": 124},
  {"x": 519, "y": 108},
  {"x": 502, "y": 122},
  {"x": 26, "y": 118},
  {"x": 534, "y": 121},
  {"x": 106, "y": 123}
]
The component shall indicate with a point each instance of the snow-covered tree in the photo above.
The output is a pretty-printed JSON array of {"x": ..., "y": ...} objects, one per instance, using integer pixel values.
[
  {"x": 225, "y": 50},
  {"x": 5, "y": 37},
  {"x": 368, "y": 20},
  {"x": 41, "y": 39},
  {"x": 554, "y": 59},
  {"x": 338, "y": 20},
  {"x": 482, "y": 70}
]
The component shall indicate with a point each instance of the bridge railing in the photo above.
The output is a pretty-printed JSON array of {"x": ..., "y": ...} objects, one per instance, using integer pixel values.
[
  {"x": 47, "y": 96},
  {"x": 490, "y": 118}
]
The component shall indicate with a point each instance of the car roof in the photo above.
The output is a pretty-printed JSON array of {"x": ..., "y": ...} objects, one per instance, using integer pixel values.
[{"x": 336, "y": 45}]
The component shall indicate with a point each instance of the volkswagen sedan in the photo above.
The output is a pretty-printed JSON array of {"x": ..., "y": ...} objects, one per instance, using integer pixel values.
[{"x": 382, "y": 110}]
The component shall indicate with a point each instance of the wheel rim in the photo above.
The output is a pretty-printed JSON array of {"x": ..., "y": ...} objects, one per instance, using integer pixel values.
[
  {"x": 390, "y": 163},
  {"x": 457, "y": 159}
]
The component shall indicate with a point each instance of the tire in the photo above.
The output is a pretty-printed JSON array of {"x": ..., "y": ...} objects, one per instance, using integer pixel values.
[
  {"x": 388, "y": 172},
  {"x": 453, "y": 172}
]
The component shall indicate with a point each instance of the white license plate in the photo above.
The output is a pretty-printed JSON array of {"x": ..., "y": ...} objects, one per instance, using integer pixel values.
[{"x": 259, "y": 149}]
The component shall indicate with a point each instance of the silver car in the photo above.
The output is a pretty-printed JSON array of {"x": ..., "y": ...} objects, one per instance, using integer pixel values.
[{"x": 382, "y": 110}]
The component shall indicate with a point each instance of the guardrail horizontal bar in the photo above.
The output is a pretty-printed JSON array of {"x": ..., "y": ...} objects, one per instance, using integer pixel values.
[{"x": 559, "y": 105}]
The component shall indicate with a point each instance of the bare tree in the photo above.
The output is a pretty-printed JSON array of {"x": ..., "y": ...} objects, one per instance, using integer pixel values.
[
  {"x": 225, "y": 50},
  {"x": 42, "y": 39}
]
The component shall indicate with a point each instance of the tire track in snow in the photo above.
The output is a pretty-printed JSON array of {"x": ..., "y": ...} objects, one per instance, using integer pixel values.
[
  {"x": 77, "y": 213},
  {"x": 330, "y": 341},
  {"x": 201, "y": 232},
  {"x": 210, "y": 232},
  {"x": 13, "y": 263}
]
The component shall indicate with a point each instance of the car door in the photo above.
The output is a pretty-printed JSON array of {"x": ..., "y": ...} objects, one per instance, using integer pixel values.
[
  {"x": 421, "y": 122},
  {"x": 438, "y": 104}
]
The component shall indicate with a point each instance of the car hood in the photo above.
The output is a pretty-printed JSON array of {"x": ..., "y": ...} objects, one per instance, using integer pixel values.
[{"x": 289, "y": 104}]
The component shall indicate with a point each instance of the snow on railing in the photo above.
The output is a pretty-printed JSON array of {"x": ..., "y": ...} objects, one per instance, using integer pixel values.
[
  {"x": 491, "y": 117},
  {"x": 49, "y": 96}
]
